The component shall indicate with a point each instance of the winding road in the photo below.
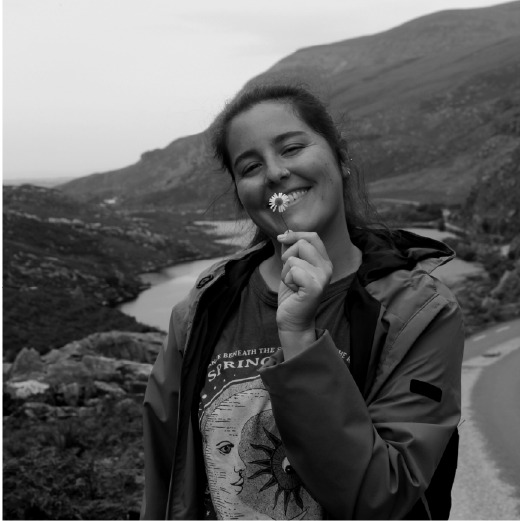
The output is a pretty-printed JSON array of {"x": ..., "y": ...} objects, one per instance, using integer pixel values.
[{"x": 487, "y": 480}]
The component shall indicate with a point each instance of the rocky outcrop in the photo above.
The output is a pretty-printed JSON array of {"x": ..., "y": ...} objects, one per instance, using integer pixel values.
[{"x": 72, "y": 380}]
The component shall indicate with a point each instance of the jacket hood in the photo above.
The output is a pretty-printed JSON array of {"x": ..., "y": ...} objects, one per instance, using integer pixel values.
[{"x": 387, "y": 251}]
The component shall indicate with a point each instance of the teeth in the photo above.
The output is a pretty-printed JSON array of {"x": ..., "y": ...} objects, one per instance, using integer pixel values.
[{"x": 296, "y": 195}]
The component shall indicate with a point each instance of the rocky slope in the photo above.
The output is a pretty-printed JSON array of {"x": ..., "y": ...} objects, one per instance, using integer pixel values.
[
  {"x": 80, "y": 407},
  {"x": 420, "y": 103},
  {"x": 73, "y": 379},
  {"x": 67, "y": 265},
  {"x": 490, "y": 217}
]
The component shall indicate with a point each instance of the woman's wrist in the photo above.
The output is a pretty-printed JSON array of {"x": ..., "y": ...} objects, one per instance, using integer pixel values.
[{"x": 294, "y": 342}]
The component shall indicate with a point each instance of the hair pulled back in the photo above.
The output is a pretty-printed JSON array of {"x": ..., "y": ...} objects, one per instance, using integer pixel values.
[{"x": 314, "y": 113}]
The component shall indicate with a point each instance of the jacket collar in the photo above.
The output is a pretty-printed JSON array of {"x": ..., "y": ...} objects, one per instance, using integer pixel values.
[{"x": 384, "y": 251}]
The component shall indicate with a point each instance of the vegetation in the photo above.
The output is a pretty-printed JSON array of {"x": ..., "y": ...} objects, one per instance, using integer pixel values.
[
  {"x": 492, "y": 296},
  {"x": 490, "y": 218},
  {"x": 408, "y": 215},
  {"x": 74, "y": 468},
  {"x": 67, "y": 265}
]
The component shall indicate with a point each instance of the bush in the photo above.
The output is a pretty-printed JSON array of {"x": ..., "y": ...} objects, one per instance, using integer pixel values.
[{"x": 75, "y": 468}]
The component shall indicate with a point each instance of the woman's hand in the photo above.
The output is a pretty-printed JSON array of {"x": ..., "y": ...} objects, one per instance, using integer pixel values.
[{"x": 306, "y": 272}]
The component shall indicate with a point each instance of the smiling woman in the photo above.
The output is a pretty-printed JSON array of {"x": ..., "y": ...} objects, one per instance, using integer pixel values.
[{"x": 316, "y": 374}]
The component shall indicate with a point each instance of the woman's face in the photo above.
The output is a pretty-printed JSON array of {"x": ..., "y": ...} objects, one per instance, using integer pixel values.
[{"x": 272, "y": 150}]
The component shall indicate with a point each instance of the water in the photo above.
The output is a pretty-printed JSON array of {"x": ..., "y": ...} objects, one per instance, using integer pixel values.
[{"x": 153, "y": 306}]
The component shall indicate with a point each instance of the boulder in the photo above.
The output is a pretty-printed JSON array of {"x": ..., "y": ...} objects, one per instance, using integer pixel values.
[
  {"x": 27, "y": 365},
  {"x": 102, "y": 368},
  {"x": 26, "y": 389},
  {"x": 108, "y": 388},
  {"x": 134, "y": 370},
  {"x": 38, "y": 410},
  {"x": 6, "y": 370},
  {"x": 71, "y": 393},
  {"x": 66, "y": 371},
  {"x": 129, "y": 407},
  {"x": 137, "y": 347}
]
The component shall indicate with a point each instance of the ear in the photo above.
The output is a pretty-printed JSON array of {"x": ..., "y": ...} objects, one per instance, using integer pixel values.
[{"x": 346, "y": 175}]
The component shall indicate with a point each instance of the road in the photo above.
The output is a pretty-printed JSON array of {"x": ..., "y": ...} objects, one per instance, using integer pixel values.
[{"x": 487, "y": 480}]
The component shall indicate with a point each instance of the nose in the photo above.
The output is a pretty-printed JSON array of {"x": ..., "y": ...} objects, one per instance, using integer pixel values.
[{"x": 276, "y": 172}]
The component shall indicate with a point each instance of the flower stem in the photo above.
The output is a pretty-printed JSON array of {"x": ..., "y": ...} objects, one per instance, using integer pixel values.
[{"x": 287, "y": 227}]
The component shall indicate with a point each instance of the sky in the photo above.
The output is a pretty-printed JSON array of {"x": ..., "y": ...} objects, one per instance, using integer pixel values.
[{"x": 89, "y": 85}]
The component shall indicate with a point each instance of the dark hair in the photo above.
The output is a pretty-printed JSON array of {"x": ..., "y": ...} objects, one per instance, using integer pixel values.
[{"x": 312, "y": 111}]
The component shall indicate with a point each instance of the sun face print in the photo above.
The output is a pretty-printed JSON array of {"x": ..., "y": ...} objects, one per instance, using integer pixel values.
[
  {"x": 282, "y": 475},
  {"x": 271, "y": 485},
  {"x": 249, "y": 475}
]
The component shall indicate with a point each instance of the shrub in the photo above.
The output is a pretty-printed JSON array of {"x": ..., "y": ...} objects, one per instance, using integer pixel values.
[{"x": 74, "y": 468}]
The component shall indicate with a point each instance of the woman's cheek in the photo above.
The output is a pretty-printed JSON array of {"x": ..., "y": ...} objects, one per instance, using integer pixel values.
[{"x": 250, "y": 195}]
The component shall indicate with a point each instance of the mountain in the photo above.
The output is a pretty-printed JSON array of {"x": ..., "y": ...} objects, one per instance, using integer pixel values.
[
  {"x": 428, "y": 107},
  {"x": 46, "y": 182}
]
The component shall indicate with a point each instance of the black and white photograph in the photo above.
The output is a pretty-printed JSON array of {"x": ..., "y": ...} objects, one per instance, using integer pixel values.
[{"x": 261, "y": 259}]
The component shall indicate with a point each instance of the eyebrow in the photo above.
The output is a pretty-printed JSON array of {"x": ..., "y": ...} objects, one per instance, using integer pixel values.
[{"x": 276, "y": 140}]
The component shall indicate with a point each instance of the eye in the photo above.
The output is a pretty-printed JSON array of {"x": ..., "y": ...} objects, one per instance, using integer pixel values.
[
  {"x": 249, "y": 168},
  {"x": 225, "y": 447},
  {"x": 292, "y": 149}
]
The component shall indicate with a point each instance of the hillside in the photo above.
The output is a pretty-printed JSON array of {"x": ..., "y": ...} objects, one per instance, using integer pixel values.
[
  {"x": 68, "y": 265},
  {"x": 421, "y": 103}
]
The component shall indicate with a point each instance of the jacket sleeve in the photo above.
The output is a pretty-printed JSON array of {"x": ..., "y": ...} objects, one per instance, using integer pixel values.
[
  {"x": 370, "y": 461},
  {"x": 160, "y": 418}
]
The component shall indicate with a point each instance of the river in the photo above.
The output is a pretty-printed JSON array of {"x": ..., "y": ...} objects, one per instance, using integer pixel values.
[{"x": 153, "y": 306}]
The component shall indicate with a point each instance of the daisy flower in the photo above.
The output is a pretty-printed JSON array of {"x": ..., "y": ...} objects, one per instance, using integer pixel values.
[{"x": 279, "y": 201}]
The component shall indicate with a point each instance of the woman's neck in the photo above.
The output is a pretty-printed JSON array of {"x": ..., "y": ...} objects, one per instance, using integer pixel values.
[{"x": 343, "y": 254}]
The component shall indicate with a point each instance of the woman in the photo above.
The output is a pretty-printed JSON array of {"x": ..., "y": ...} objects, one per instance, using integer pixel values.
[{"x": 316, "y": 374}]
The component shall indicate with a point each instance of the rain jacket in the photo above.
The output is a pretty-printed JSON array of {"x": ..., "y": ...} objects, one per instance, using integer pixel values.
[{"x": 366, "y": 441}]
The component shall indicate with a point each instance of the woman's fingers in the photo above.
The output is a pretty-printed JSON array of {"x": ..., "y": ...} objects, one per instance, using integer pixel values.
[
  {"x": 289, "y": 275},
  {"x": 313, "y": 252},
  {"x": 298, "y": 273},
  {"x": 305, "y": 251},
  {"x": 290, "y": 238},
  {"x": 289, "y": 279}
]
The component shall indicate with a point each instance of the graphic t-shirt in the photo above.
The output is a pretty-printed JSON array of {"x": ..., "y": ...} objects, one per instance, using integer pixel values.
[{"x": 249, "y": 474}]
